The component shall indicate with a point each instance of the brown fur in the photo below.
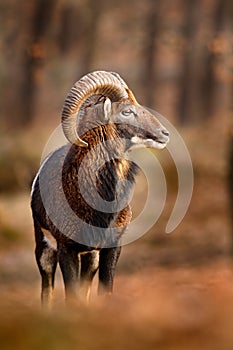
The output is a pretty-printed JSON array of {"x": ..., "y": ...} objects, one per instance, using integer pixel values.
[{"x": 108, "y": 142}]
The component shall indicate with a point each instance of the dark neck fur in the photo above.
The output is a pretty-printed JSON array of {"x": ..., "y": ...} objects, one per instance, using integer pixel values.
[{"x": 98, "y": 184}]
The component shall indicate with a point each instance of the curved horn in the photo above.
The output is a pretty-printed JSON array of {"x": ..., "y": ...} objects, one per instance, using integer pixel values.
[
  {"x": 100, "y": 82},
  {"x": 131, "y": 96}
]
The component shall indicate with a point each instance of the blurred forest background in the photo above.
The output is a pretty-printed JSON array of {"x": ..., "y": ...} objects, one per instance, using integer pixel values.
[{"x": 177, "y": 57}]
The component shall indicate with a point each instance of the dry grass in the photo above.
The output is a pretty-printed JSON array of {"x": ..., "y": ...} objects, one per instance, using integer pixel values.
[{"x": 176, "y": 308}]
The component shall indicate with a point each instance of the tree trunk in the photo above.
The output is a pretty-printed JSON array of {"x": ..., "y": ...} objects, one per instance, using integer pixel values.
[
  {"x": 216, "y": 90},
  {"x": 230, "y": 167},
  {"x": 189, "y": 98},
  {"x": 95, "y": 11},
  {"x": 230, "y": 176},
  {"x": 149, "y": 50},
  {"x": 34, "y": 58}
]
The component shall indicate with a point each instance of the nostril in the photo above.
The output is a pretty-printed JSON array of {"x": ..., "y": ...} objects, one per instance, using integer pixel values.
[{"x": 165, "y": 132}]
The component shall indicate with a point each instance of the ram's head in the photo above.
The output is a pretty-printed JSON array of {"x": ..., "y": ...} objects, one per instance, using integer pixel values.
[{"x": 101, "y": 98}]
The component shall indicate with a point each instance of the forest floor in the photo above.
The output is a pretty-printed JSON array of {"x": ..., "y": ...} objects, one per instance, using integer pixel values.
[{"x": 171, "y": 291}]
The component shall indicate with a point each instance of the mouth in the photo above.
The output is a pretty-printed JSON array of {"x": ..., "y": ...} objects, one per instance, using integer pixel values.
[
  {"x": 149, "y": 142},
  {"x": 155, "y": 143}
]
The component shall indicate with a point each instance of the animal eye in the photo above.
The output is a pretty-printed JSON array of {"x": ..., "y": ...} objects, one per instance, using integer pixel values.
[{"x": 127, "y": 112}]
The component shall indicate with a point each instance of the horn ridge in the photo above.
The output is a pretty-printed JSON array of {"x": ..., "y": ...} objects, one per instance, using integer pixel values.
[{"x": 109, "y": 84}]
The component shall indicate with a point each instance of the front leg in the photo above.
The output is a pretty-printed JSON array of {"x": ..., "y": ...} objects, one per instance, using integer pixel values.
[
  {"x": 107, "y": 264},
  {"x": 89, "y": 266},
  {"x": 69, "y": 264}
]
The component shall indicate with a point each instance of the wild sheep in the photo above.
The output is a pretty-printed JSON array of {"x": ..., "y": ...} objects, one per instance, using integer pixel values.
[{"x": 103, "y": 110}]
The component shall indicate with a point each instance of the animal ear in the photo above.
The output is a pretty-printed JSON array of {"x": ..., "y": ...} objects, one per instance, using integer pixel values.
[{"x": 107, "y": 108}]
